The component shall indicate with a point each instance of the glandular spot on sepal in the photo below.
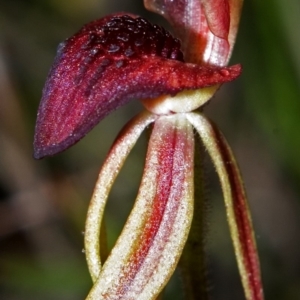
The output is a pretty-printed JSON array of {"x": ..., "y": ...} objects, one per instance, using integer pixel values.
[
  {"x": 115, "y": 40},
  {"x": 128, "y": 36}
]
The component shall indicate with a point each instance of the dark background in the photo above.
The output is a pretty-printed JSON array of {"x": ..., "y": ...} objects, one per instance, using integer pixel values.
[{"x": 43, "y": 203}]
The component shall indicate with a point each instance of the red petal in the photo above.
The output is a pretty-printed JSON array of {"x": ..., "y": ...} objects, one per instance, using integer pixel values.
[{"x": 107, "y": 63}]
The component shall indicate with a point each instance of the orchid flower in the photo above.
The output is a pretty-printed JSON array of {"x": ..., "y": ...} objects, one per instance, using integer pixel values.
[{"x": 121, "y": 57}]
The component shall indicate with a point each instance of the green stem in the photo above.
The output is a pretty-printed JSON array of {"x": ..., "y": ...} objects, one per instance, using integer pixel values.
[
  {"x": 192, "y": 262},
  {"x": 103, "y": 242}
]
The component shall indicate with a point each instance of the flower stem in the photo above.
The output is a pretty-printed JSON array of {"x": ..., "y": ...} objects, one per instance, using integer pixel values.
[{"x": 192, "y": 264}]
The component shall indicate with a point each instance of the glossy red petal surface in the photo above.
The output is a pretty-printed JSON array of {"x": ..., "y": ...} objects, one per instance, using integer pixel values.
[
  {"x": 207, "y": 28},
  {"x": 218, "y": 17},
  {"x": 102, "y": 67}
]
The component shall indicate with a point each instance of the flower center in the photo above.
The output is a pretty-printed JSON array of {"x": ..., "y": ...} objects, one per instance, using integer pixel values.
[{"x": 185, "y": 101}]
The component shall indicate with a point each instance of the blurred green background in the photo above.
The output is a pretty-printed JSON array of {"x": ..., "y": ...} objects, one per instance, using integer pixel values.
[{"x": 43, "y": 203}]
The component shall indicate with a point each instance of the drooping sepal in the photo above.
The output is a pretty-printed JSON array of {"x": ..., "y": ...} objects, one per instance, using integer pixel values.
[
  {"x": 237, "y": 210},
  {"x": 153, "y": 237},
  {"x": 207, "y": 28},
  {"x": 109, "y": 171},
  {"x": 103, "y": 66}
]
